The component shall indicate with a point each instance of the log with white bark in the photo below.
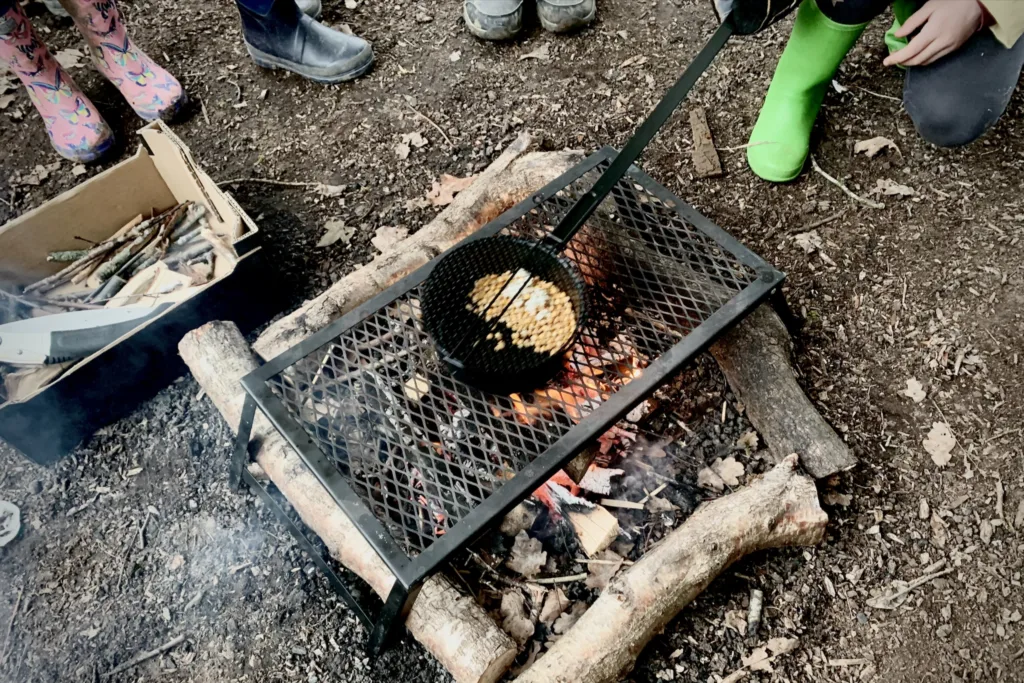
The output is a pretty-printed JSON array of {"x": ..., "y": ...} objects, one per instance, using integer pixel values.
[
  {"x": 755, "y": 357},
  {"x": 780, "y": 509},
  {"x": 450, "y": 625}
]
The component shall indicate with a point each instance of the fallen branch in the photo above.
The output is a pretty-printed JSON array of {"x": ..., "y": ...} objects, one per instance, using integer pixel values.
[
  {"x": 849, "y": 193},
  {"x": 780, "y": 509},
  {"x": 267, "y": 181},
  {"x": 146, "y": 656},
  {"x": 755, "y": 357}
]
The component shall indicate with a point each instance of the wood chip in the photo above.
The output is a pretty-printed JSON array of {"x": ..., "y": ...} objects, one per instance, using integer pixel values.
[{"x": 705, "y": 156}]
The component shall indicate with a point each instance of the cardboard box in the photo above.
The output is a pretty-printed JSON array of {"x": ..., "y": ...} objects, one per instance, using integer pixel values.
[{"x": 106, "y": 386}]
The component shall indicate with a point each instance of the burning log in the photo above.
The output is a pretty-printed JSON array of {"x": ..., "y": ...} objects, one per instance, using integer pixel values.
[
  {"x": 755, "y": 357},
  {"x": 780, "y": 509},
  {"x": 451, "y": 626}
]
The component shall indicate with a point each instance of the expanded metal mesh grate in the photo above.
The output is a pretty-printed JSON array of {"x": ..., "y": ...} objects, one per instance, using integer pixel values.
[{"x": 421, "y": 450}]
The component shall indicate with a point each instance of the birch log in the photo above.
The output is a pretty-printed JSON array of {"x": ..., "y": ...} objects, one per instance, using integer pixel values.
[
  {"x": 780, "y": 509},
  {"x": 450, "y": 625}
]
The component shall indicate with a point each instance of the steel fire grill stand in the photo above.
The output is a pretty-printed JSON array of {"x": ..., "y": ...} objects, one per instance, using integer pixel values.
[{"x": 422, "y": 464}]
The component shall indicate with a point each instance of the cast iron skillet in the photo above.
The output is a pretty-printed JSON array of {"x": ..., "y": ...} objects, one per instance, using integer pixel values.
[{"x": 460, "y": 335}]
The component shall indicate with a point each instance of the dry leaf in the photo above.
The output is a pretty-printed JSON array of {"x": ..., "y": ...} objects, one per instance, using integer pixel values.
[
  {"x": 329, "y": 190},
  {"x": 569, "y": 619},
  {"x": 736, "y": 620},
  {"x": 79, "y": 170},
  {"x": 176, "y": 562},
  {"x": 443, "y": 191},
  {"x": 748, "y": 441},
  {"x": 707, "y": 478},
  {"x": 601, "y": 573},
  {"x": 527, "y": 556},
  {"x": 402, "y": 151},
  {"x": 414, "y": 204},
  {"x": 5, "y": 101},
  {"x": 455, "y": 56},
  {"x": 938, "y": 531},
  {"x": 387, "y": 237},
  {"x": 351, "y": 4},
  {"x": 416, "y": 388},
  {"x": 543, "y": 53},
  {"x": 414, "y": 139},
  {"x": 783, "y": 646},
  {"x": 914, "y": 391},
  {"x": 808, "y": 241},
  {"x": 554, "y": 604},
  {"x": 758, "y": 660},
  {"x": 892, "y": 188},
  {"x": 336, "y": 231},
  {"x": 636, "y": 60},
  {"x": 515, "y": 620},
  {"x": 832, "y": 499},
  {"x": 940, "y": 443},
  {"x": 874, "y": 146},
  {"x": 69, "y": 58},
  {"x": 729, "y": 470}
]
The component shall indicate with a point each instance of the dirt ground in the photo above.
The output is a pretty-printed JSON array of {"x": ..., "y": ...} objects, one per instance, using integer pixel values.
[{"x": 135, "y": 538}]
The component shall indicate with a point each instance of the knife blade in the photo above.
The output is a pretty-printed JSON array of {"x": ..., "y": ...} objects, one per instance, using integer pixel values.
[{"x": 69, "y": 336}]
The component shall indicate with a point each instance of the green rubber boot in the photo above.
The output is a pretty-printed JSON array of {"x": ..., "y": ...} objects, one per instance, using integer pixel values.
[{"x": 781, "y": 138}]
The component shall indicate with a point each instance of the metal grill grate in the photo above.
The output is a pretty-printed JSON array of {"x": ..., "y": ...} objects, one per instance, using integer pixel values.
[{"x": 423, "y": 463}]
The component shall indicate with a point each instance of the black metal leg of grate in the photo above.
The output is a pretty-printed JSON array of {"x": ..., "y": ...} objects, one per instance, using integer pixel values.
[
  {"x": 786, "y": 314},
  {"x": 337, "y": 583},
  {"x": 392, "y": 616},
  {"x": 240, "y": 457}
]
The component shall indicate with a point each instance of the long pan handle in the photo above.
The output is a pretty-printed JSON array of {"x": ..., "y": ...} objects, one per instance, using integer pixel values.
[{"x": 586, "y": 205}]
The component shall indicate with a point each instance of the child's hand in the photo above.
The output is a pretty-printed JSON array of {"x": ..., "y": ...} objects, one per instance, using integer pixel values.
[{"x": 944, "y": 26}]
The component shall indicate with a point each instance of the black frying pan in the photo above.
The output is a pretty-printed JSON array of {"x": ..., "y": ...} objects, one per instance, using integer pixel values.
[{"x": 461, "y": 335}]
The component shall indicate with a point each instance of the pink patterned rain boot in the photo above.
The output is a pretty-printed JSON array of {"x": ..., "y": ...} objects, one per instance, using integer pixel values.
[
  {"x": 150, "y": 90},
  {"x": 76, "y": 129}
]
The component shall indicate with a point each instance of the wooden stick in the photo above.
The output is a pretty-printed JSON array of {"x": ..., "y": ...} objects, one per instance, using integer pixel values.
[
  {"x": 780, "y": 509},
  {"x": 754, "y": 356},
  {"x": 849, "y": 193},
  {"x": 560, "y": 579},
  {"x": 623, "y": 504},
  {"x": 146, "y": 656}
]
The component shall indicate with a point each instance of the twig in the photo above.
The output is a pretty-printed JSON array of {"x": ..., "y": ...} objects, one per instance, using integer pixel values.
[
  {"x": 746, "y": 146},
  {"x": 621, "y": 563},
  {"x": 560, "y": 579},
  {"x": 624, "y": 504},
  {"x": 10, "y": 626},
  {"x": 267, "y": 181},
  {"x": 878, "y": 94},
  {"x": 145, "y": 656},
  {"x": 823, "y": 221},
  {"x": 428, "y": 120},
  {"x": 844, "y": 188},
  {"x": 653, "y": 493}
]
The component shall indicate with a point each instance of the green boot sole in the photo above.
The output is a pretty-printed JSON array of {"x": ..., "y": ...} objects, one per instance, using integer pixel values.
[{"x": 780, "y": 141}]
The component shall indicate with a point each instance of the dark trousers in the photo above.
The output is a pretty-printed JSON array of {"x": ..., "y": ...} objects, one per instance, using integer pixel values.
[
  {"x": 954, "y": 100},
  {"x": 260, "y": 7}
]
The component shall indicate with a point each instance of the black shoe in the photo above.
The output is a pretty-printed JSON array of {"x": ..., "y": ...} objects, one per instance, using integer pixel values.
[
  {"x": 285, "y": 38},
  {"x": 493, "y": 19}
]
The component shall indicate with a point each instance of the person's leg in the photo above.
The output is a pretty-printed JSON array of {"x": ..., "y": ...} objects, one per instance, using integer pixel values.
[
  {"x": 76, "y": 129},
  {"x": 956, "y": 99},
  {"x": 823, "y": 32},
  {"x": 279, "y": 36},
  {"x": 150, "y": 90}
]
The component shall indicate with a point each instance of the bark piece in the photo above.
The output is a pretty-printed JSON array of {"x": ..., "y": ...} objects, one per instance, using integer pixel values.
[
  {"x": 705, "y": 156},
  {"x": 450, "y": 625},
  {"x": 755, "y": 357},
  {"x": 595, "y": 527},
  {"x": 780, "y": 509}
]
